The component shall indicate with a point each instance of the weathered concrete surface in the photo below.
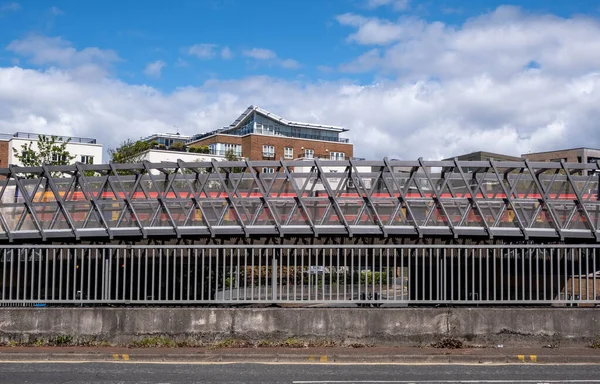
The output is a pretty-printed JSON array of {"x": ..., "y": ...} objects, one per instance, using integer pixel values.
[{"x": 343, "y": 326}]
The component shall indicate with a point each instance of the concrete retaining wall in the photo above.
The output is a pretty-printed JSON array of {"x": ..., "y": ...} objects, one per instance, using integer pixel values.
[{"x": 399, "y": 326}]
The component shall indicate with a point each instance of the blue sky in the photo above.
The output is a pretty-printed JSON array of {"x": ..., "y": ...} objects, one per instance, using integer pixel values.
[
  {"x": 409, "y": 78},
  {"x": 299, "y": 30}
]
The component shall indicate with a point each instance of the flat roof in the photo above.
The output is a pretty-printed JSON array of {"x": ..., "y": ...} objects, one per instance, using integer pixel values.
[
  {"x": 561, "y": 150},
  {"x": 485, "y": 154},
  {"x": 168, "y": 135},
  {"x": 35, "y": 136}
]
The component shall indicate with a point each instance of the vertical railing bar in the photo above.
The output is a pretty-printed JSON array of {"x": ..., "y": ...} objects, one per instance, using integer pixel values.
[
  {"x": 430, "y": 275},
  {"x": 60, "y": 276},
  {"x": 252, "y": 277},
  {"x": 160, "y": 258},
  {"x": 202, "y": 277},
  {"x": 387, "y": 274},
  {"x": 19, "y": 273},
  {"x": 558, "y": 278},
  {"x": 4, "y": 256},
  {"x": 288, "y": 274},
  {"x": 523, "y": 274},
  {"x": 360, "y": 274},
  {"x": 458, "y": 280},
  {"x": 352, "y": 274},
  {"x": 296, "y": 274},
  {"x": 10, "y": 287},
  {"x": 573, "y": 275},
  {"x": 96, "y": 274},
  {"x": 395, "y": 253},
  {"x": 196, "y": 274},
  {"x": 146, "y": 280},
  {"x": 217, "y": 272},
  {"x": 89, "y": 274},
  {"x": 139, "y": 275},
  {"x": 260, "y": 254},
  {"x": 551, "y": 274},
  {"x": 423, "y": 250},
  {"x": 402, "y": 276},
  {"x": 74, "y": 296},
  {"x": 579, "y": 262},
  {"x": 330, "y": 274},
  {"x": 39, "y": 295},
  {"x": 495, "y": 263},
  {"x": 451, "y": 274},
  {"x": 480, "y": 294},
  {"x": 103, "y": 275},
  {"x": 302, "y": 274},
  {"x": 131, "y": 270},
  {"x": 502, "y": 274},
  {"x": 26, "y": 267},
  {"x": 473, "y": 276},
  {"x": 118, "y": 265},
  {"x": 189, "y": 275},
  {"x": 174, "y": 293},
  {"x": 167, "y": 269},
  {"x": 594, "y": 277},
  {"x": 537, "y": 274},
  {"x": 238, "y": 275},
  {"x": 246, "y": 274}
]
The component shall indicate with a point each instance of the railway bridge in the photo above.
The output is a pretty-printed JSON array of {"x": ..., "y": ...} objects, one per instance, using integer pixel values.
[{"x": 367, "y": 233}]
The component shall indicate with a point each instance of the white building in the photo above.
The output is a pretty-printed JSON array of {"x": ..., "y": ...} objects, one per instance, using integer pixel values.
[
  {"x": 163, "y": 156},
  {"x": 85, "y": 150}
]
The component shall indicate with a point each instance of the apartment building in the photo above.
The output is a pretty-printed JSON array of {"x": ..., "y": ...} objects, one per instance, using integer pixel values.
[
  {"x": 258, "y": 134},
  {"x": 85, "y": 150}
]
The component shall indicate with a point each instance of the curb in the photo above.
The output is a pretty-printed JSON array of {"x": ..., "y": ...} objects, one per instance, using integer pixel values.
[{"x": 300, "y": 358}]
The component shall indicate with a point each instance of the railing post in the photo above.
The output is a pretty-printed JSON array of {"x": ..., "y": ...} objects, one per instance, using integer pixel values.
[{"x": 274, "y": 275}]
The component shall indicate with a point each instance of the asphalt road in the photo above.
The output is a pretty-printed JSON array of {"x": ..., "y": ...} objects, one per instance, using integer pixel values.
[{"x": 129, "y": 373}]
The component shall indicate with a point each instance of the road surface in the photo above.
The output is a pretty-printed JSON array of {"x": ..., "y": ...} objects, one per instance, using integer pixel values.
[{"x": 139, "y": 373}]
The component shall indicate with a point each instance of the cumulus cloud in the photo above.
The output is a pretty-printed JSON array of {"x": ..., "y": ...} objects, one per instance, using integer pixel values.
[
  {"x": 202, "y": 51},
  {"x": 269, "y": 56},
  {"x": 500, "y": 43},
  {"x": 56, "y": 11},
  {"x": 55, "y": 51},
  {"x": 453, "y": 90},
  {"x": 399, "y": 5},
  {"x": 155, "y": 68},
  {"x": 226, "y": 53}
]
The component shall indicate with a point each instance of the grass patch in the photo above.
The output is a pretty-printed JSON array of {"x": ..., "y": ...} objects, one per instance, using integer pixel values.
[
  {"x": 153, "y": 342},
  {"x": 232, "y": 343}
]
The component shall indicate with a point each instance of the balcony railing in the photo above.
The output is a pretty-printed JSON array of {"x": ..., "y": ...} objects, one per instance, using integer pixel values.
[{"x": 36, "y": 136}]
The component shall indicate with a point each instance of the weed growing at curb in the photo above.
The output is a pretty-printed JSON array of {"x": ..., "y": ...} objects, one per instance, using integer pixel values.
[
  {"x": 153, "y": 342},
  {"x": 448, "y": 343}
]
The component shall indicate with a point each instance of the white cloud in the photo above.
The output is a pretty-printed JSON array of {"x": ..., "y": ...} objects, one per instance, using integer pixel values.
[
  {"x": 155, "y": 68},
  {"x": 399, "y": 5},
  {"x": 180, "y": 63},
  {"x": 448, "y": 90},
  {"x": 42, "y": 50},
  {"x": 10, "y": 7},
  {"x": 260, "y": 53},
  {"x": 202, "y": 51},
  {"x": 271, "y": 58},
  {"x": 226, "y": 53},
  {"x": 500, "y": 43}
]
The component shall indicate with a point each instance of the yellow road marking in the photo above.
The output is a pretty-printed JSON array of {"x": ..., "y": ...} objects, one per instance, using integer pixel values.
[
  {"x": 533, "y": 358},
  {"x": 126, "y": 357},
  {"x": 115, "y": 356},
  {"x": 323, "y": 359},
  {"x": 521, "y": 357}
]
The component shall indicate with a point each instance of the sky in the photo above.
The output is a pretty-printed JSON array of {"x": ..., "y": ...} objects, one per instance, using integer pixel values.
[{"x": 409, "y": 78}]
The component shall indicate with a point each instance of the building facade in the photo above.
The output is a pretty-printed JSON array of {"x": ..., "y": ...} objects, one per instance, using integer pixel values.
[
  {"x": 573, "y": 155},
  {"x": 85, "y": 150},
  {"x": 166, "y": 140},
  {"x": 260, "y": 135}
]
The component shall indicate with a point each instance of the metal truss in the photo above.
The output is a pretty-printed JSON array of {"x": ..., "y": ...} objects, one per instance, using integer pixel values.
[{"x": 460, "y": 199}]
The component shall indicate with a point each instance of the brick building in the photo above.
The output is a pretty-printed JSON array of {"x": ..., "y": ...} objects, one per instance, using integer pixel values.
[
  {"x": 573, "y": 155},
  {"x": 260, "y": 135}
]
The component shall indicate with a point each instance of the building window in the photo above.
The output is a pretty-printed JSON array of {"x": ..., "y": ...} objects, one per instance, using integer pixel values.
[
  {"x": 56, "y": 158},
  {"x": 336, "y": 155},
  {"x": 309, "y": 153},
  {"x": 268, "y": 170},
  {"x": 288, "y": 153},
  {"x": 268, "y": 151},
  {"x": 87, "y": 159}
]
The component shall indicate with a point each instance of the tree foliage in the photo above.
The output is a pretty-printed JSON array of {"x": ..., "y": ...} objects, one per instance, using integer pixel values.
[
  {"x": 231, "y": 156},
  {"x": 128, "y": 152},
  {"x": 50, "y": 151}
]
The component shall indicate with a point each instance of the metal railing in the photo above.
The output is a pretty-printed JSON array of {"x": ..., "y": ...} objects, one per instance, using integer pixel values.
[
  {"x": 510, "y": 200},
  {"x": 558, "y": 275}
]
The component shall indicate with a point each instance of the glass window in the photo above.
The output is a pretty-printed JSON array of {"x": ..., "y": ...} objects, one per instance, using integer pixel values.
[
  {"x": 268, "y": 151},
  {"x": 336, "y": 155},
  {"x": 268, "y": 170},
  {"x": 86, "y": 159},
  {"x": 288, "y": 153},
  {"x": 309, "y": 153}
]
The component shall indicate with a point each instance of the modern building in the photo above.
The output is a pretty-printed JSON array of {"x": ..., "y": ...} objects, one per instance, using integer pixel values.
[
  {"x": 154, "y": 155},
  {"x": 573, "y": 155},
  {"x": 85, "y": 150},
  {"x": 166, "y": 140},
  {"x": 484, "y": 156},
  {"x": 258, "y": 134}
]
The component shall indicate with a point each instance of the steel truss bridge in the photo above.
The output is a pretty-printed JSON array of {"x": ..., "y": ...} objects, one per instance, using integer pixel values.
[{"x": 519, "y": 201}]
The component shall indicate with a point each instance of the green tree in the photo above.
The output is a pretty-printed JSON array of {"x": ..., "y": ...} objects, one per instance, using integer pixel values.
[
  {"x": 128, "y": 152},
  {"x": 231, "y": 156},
  {"x": 50, "y": 151}
]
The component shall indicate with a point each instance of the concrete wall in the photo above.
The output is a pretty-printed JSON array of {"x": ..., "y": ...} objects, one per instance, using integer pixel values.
[{"x": 395, "y": 326}]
